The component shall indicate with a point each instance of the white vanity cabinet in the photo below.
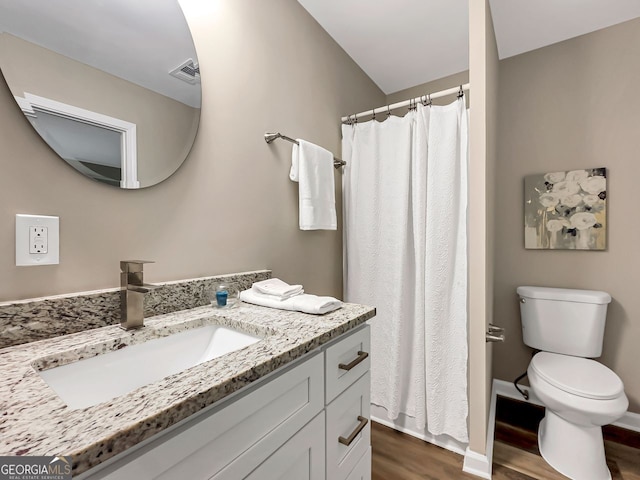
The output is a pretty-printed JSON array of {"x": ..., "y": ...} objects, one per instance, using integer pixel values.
[
  {"x": 347, "y": 397},
  {"x": 301, "y": 458},
  {"x": 306, "y": 421},
  {"x": 362, "y": 471}
]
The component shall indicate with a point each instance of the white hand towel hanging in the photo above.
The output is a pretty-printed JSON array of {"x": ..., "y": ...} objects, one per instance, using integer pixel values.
[{"x": 312, "y": 168}]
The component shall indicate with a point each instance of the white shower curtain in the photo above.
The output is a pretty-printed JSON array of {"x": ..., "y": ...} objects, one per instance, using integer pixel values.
[{"x": 405, "y": 202}]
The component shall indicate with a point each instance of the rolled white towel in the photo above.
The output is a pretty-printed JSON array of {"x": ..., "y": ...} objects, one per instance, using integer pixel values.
[
  {"x": 301, "y": 303},
  {"x": 277, "y": 288}
]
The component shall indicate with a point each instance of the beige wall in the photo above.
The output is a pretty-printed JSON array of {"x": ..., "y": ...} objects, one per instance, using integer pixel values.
[
  {"x": 231, "y": 207},
  {"x": 483, "y": 77},
  {"x": 492, "y": 134},
  {"x": 431, "y": 87},
  {"x": 569, "y": 106},
  {"x": 165, "y": 126}
]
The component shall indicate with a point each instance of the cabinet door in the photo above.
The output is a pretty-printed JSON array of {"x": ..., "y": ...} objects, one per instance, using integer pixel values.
[
  {"x": 346, "y": 360},
  {"x": 228, "y": 443},
  {"x": 348, "y": 429},
  {"x": 301, "y": 458},
  {"x": 362, "y": 471}
]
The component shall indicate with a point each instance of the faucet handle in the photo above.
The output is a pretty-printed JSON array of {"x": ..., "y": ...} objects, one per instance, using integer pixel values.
[{"x": 133, "y": 266}]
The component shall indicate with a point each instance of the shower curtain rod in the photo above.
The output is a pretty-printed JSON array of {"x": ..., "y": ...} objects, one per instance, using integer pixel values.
[{"x": 406, "y": 103}]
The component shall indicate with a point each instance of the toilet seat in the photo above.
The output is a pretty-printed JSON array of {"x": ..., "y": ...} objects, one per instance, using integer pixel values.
[{"x": 578, "y": 376}]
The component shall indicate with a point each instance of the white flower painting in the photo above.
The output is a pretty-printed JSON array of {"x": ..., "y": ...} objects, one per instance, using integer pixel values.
[{"x": 566, "y": 210}]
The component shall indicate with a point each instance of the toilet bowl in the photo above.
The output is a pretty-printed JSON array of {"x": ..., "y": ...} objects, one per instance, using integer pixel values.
[{"x": 580, "y": 396}]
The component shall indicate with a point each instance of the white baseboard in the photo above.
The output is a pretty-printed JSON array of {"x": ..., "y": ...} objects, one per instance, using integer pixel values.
[
  {"x": 508, "y": 389},
  {"x": 476, "y": 464},
  {"x": 491, "y": 429},
  {"x": 630, "y": 420}
]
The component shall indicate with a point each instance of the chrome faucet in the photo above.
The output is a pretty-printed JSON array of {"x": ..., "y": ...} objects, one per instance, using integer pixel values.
[{"x": 132, "y": 290}]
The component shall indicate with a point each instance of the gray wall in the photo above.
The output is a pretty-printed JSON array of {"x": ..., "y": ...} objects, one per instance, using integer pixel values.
[
  {"x": 231, "y": 207},
  {"x": 569, "y": 106}
]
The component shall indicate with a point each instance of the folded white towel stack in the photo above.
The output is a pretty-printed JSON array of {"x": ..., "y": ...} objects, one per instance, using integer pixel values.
[
  {"x": 302, "y": 303},
  {"x": 312, "y": 168},
  {"x": 277, "y": 289}
]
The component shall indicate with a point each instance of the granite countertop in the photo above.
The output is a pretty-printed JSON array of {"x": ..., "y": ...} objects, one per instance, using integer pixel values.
[{"x": 35, "y": 421}]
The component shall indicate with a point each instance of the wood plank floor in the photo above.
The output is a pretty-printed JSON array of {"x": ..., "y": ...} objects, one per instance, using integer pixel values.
[{"x": 397, "y": 456}]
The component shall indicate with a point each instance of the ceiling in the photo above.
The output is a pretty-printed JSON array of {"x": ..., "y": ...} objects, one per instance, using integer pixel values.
[
  {"x": 140, "y": 41},
  {"x": 403, "y": 43}
]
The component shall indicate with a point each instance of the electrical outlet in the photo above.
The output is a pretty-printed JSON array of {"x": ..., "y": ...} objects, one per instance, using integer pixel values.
[{"x": 37, "y": 240}]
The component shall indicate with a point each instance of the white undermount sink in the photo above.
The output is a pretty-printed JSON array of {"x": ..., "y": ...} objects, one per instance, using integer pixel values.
[{"x": 101, "y": 378}]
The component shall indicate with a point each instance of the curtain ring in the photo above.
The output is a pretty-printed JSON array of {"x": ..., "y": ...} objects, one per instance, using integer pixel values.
[
  {"x": 388, "y": 111},
  {"x": 374, "y": 114},
  {"x": 460, "y": 92},
  {"x": 430, "y": 101}
]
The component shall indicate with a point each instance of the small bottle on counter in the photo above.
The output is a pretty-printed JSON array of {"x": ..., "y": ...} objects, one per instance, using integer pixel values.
[
  {"x": 222, "y": 293},
  {"x": 225, "y": 295}
]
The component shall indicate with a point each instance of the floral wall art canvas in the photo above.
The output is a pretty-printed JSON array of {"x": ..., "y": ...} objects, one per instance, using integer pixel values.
[{"x": 566, "y": 210}]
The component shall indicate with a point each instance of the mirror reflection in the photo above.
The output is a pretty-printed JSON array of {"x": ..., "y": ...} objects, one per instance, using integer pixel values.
[{"x": 113, "y": 87}]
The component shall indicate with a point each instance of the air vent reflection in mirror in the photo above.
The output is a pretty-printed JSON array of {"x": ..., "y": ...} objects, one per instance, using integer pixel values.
[{"x": 187, "y": 71}]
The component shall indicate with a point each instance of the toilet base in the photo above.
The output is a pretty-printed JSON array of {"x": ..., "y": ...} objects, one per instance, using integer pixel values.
[{"x": 575, "y": 451}]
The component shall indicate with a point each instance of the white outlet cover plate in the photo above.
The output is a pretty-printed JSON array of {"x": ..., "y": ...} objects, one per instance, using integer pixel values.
[{"x": 23, "y": 257}]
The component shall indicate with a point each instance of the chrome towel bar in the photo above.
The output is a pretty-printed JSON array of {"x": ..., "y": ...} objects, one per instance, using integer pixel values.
[{"x": 270, "y": 137}]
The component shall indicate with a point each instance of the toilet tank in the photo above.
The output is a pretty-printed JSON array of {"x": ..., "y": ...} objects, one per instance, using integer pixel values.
[{"x": 563, "y": 320}]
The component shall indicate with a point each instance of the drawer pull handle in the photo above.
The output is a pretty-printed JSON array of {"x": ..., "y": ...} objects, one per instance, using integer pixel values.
[
  {"x": 361, "y": 356},
  {"x": 347, "y": 441}
]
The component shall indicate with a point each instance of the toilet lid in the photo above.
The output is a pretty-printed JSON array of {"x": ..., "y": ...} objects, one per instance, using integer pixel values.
[{"x": 579, "y": 376}]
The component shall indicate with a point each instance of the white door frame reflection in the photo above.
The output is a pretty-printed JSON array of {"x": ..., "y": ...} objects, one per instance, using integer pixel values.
[{"x": 32, "y": 104}]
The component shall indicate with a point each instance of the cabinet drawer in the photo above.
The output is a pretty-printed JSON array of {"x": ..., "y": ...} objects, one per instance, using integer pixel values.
[
  {"x": 348, "y": 429},
  {"x": 301, "y": 458},
  {"x": 346, "y": 361},
  {"x": 362, "y": 470},
  {"x": 229, "y": 442}
]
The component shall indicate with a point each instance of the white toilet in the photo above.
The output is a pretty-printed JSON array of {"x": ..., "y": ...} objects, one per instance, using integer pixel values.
[{"x": 580, "y": 395}]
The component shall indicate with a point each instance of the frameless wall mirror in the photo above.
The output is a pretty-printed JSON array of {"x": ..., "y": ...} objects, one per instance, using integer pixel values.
[{"x": 112, "y": 86}]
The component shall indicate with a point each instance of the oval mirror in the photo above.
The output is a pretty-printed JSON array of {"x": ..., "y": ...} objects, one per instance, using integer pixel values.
[{"x": 112, "y": 86}]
